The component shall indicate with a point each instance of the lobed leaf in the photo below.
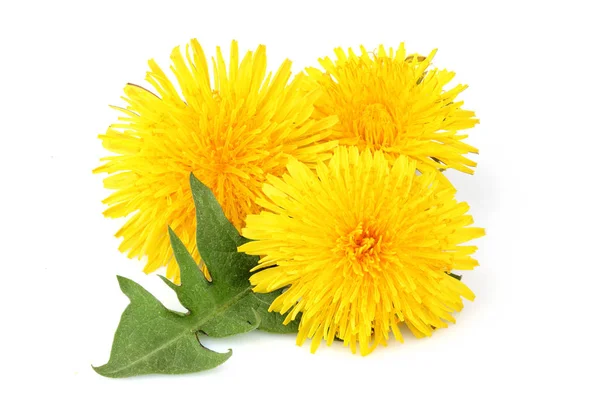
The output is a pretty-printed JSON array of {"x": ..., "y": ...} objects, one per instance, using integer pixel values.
[{"x": 153, "y": 339}]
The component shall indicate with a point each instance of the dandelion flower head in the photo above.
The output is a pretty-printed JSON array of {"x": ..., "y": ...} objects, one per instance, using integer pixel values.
[
  {"x": 360, "y": 247},
  {"x": 396, "y": 103},
  {"x": 231, "y": 129}
]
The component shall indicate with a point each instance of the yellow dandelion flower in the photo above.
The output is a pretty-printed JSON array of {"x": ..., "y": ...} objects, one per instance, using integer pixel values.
[
  {"x": 230, "y": 132},
  {"x": 361, "y": 246},
  {"x": 396, "y": 103}
]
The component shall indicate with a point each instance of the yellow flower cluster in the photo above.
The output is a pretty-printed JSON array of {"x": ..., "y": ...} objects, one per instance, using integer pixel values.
[{"x": 334, "y": 175}]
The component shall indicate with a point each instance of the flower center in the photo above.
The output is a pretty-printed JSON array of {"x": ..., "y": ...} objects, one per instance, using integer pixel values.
[
  {"x": 361, "y": 248},
  {"x": 376, "y": 126}
]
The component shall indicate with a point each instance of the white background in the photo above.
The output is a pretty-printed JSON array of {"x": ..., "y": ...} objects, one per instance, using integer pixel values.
[{"x": 527, "y": 346}]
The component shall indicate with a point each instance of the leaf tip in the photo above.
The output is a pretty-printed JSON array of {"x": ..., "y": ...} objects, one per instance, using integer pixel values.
[
  {"x": 174, "y": 239},
  {"x": 198, "y": 186},
  {"x": 123, "y": 282},
  {"x": 168, "y": 282},
  {"x": 100, "y": 370},
  {"x": 194, "y": 181}
]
